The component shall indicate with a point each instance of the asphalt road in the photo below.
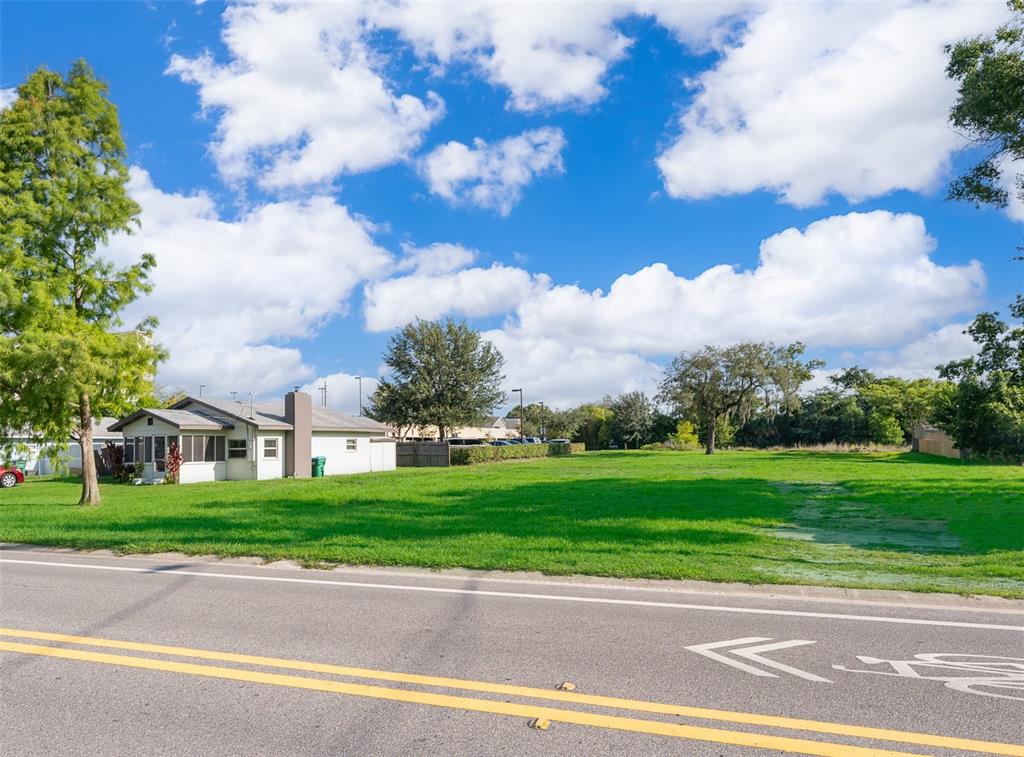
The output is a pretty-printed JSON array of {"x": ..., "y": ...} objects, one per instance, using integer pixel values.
[{"x": 183, "y": 656}]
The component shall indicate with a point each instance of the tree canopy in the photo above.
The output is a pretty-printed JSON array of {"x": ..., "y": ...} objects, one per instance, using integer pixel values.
[
  {"x": 632, "y": 418},
  {"x": 989, "y": 71},
  {"x": 443, "y": 374},
  {"x": 717, "y": 384},
  {"x": 65, "y": 357}
]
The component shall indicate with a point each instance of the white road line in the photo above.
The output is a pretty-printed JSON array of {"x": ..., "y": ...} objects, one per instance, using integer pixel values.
[
  {"x": 522, "y": 595},
  {"x": 706, "y": 651},
  {"x": 774, "y": 593},
  {"x": 754, "y": 655}
]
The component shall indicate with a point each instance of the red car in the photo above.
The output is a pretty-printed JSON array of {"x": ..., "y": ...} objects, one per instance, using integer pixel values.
[{"x": 10, "y": 477}]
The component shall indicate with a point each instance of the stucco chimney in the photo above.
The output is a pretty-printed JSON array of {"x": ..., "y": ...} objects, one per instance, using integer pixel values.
[{"x": 298, "y": 411}]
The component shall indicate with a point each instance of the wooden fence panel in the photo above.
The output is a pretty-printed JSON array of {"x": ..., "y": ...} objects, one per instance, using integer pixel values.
[{"x": 422, "y": 455}]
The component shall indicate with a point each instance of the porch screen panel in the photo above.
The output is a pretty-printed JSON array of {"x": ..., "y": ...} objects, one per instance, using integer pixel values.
[
  {"x": 210, "y": 452},
  {"x": 220, "y": 453},
  {"x": 149, "y": 448},
  {"x": 186, "y": 449}
]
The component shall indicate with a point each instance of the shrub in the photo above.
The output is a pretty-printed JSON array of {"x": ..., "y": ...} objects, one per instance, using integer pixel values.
[
  {"x": 485, "y": 453},
  {"x": 685, "y": 436},
  {"x": 885, "y": 429}
]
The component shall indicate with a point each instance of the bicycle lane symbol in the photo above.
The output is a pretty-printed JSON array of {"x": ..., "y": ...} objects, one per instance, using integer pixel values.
[{"x": 983, "y": 675}]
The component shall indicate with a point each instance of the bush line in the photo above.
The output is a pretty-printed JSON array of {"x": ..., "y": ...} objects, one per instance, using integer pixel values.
[{"x": 485, "y": 453}]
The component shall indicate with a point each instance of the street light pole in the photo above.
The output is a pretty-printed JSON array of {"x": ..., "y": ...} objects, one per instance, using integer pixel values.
[
  {"x": 543, "y": 417},
  {"x": 521, "y": 418}
]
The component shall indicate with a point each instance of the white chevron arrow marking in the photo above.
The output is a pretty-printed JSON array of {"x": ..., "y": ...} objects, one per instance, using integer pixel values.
[{"x": 754, "y": 655}]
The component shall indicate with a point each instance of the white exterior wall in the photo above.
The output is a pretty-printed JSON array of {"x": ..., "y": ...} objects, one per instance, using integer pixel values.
[{"x": 333, "y": 446}]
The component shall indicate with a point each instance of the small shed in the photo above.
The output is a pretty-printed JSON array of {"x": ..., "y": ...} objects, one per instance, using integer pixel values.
[{"x": 930, "y": 440}]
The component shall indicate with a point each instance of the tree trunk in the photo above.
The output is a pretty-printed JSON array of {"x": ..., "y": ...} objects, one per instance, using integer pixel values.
[
  {"x": 709, "y": 448},
  {"x": 90, "y": 482}
]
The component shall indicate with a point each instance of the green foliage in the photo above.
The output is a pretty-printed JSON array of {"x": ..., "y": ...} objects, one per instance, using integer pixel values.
[
  {"x": 595, "y": 428},
  {"x": 63, "y": 358},
  {"x": 485, "y": 453},
  {"x": 632, "y": 418},
  {"x": 685, "y": 436},
  {"x": 989, "y": 71},
  {"x": 443, "y": 374},
  {"x": 718, "y": 383},
  {"x": 884, "y": 429},
  {"x": 984, "y": 414}
]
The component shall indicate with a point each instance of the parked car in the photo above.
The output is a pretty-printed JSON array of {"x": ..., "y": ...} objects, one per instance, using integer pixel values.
[
  {"x": 501, "y": 443},
  {"x": 532, "y": 440},
  {"x": 10, "y": 477},
  {"x": 455, "y": 442},
  {"x": 558, "y": 441}
]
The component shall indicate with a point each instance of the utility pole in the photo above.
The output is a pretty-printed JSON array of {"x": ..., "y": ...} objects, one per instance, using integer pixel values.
[
  {"x": 543, "y": 417},
  {"x": 323, "y": 393},
  {"x": 201, "y": 387},
  {"x": 521, "y": 416},
  {"x": 360, "y": 380}
]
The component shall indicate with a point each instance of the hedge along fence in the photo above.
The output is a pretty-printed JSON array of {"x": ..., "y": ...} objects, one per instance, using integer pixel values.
[{"x": 485, "y": 453}]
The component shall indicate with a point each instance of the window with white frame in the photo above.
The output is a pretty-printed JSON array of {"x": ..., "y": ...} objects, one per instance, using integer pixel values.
[
  {"x": 270, "y": 449},
  {"x": 237, "y": 449},
  {"x": 350, "y": 445}
]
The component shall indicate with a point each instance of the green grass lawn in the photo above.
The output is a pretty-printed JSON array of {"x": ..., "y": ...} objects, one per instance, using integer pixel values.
[{"x": 898, "y": 521}]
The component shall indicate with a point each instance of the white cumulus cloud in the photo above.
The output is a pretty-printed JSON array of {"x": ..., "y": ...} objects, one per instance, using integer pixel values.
[
  {"x": 228, "y": 293},
  {"x": 861, "y": 279},
  {"x": 302, "y": 98},
  {"x": 472, "y": 292},
  {"x": 820, "y": 98},
  {"x": 545, "y": 54},
  {"x": 920, "y": 357},
  {"x": 440, "y": 257},
  {"x": 493, "y": 175}
]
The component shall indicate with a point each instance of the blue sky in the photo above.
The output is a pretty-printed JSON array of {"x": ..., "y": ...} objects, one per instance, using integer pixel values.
[{"x": 503, "y": 164}]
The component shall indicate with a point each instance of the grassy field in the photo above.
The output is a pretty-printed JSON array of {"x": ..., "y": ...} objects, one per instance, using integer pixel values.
[{"x": 898, "y": 521}]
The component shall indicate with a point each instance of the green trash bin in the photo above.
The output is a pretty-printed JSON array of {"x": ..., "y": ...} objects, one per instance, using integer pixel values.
[
  {"x": 21, "y": 465},
  {"x": 318, "y": 466}
]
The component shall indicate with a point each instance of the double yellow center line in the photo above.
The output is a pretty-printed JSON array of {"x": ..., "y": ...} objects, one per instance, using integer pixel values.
[{"x": 474, "y": 704}]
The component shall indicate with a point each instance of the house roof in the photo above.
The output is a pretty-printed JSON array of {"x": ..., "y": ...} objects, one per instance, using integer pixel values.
[
  {"x": 269, "y": 415},
  {"x": 185, "y": 420}
]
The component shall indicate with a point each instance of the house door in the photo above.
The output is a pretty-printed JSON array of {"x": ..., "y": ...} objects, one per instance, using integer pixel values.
[{"x": 159, "y": 452}]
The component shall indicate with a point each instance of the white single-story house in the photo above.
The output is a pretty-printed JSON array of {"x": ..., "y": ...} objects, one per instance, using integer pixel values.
[
  {"x": 29, "y": 447},
  {"x": 242, "y": 440}
]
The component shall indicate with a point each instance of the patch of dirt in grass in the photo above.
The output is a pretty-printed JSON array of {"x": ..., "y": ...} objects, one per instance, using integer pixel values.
[{"x": 824, "y": 519}]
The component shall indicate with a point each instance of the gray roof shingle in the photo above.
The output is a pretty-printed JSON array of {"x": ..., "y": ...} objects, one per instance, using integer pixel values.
[{"x": 269, "y": 415}]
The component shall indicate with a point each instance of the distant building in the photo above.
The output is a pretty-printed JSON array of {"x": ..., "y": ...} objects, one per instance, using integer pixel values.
[
  {"x": 234, "y": 440},
  {"x": 490, "y": 429},
  {"x": 930, "y": 440},
  {"x": 35, "y": 452}
]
